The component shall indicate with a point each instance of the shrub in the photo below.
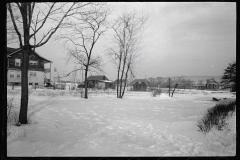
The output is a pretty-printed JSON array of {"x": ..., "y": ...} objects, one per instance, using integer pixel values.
[
  {"x": 156, "y": 92},
  {"x": 12, "y": 115},
  {"x": 217, "y": 116},
  {"x": 9, "y": 108}
]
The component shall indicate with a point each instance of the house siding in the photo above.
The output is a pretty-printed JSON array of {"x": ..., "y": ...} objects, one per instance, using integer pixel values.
[
  {"x": 39, "y": 78},
  {"x": 139, "y": 87},
  {"x": 33, "y": 56},
  {"x": 94, "y": 82},
  {"x": 38, "y": 69},
  {"x": 101, "y": 85}
]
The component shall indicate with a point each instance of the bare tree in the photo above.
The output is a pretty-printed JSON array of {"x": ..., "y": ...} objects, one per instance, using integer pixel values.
[
  {"x": 169, "y": 85},
  {"x": 31, "y": 24},
  {"x": 176, "y": 81},
  {"x": 10, "y": 31},
  {"x": 80, "y": 36},
  {"x": 160, "y": 81},
  {"x": 74, "y": 77},
  {"x": 127, "y": 35},
  {"x": 152, "y": 82},
  {"x": 200, "y": 82}
]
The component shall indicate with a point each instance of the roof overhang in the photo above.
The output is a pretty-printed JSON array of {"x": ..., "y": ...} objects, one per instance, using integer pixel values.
[
  {"x": 45, "y": 60},
  {"x": 13, "y": 52},
  {"x": 106, "y": 81}
]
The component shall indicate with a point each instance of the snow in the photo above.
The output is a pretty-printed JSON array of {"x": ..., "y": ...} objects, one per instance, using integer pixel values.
[{"x": 137, "y": 125}]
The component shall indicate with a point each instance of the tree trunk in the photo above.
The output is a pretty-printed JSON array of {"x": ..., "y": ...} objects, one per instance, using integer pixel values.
[
  {"x": 119, "y": 66},
  {"x": 86, "y": 84},
  {"x": 126, "y": 76},
  {"x": 124, "y": 63},
  {"x": 169, "y": 87},
  {"x": 174, "y": 89},
  {"x": 24, "y": 85},
  {"x": 117, "y": 83}
]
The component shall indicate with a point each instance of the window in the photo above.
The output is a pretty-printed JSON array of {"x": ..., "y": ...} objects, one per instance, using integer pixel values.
[
  {"x": 18, "y": 74},
  {"x": 31, "y": 74},
  {"x": 31, "y": 57},
  {"x": 30, "y": 83},
  {"x": 17, "y": 62},
  {"x": 31, "y": 62},
  {"x": 11, "y": 73},
  {"x": 36, "y": 84}
]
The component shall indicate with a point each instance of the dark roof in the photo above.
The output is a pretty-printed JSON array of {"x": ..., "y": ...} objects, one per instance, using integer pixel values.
[
  {"x": 199, "y": 85},
  {"x": 11, "y": 51},
  {"x": 212, "y": 80},
  {"x": 97, "y": 77},
  {"x": 118, "y": 80},
  {"x": 140, "y": 80}
]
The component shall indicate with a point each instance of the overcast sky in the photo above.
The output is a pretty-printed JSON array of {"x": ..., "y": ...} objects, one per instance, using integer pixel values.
[{"x": 189, "y": 39}]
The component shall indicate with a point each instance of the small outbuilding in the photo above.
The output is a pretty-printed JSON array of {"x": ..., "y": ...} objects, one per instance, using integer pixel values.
[
  {"x": 140, "y": 85},
  {"x": 100, "y": 82},
  {"x": 211, "y": 84},
  {"x": 119, "y": 83}
]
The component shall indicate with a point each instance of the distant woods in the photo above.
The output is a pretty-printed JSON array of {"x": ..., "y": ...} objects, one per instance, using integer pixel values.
[{"x": 161, "y": 82}]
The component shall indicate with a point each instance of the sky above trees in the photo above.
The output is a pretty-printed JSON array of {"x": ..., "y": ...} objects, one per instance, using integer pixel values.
[{"x": 192, "y": 38}]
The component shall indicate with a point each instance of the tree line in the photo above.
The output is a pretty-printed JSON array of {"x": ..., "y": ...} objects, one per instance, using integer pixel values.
[{"x": 161, "y": 82}]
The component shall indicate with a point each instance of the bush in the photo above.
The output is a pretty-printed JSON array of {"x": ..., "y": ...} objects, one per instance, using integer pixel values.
[
  {"x": 217, "y": 116},
  {"x": 156, "y": 92},
  {"x": 9, "y": 108},
  {"x": 12, "y": 115}
]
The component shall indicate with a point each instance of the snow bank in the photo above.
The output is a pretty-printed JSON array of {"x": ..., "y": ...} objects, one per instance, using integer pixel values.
[
  {"x": 164, "y": 96},
  {"x": 137, "y": 125},
  {"x": 226, "y": 137}
]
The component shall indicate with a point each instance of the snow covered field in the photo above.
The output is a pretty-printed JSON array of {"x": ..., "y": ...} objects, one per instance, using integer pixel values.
[{"x": 137, "y": 125}]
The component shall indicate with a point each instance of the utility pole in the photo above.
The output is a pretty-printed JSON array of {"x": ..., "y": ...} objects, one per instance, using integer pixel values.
[
  {"x": 55, "y": 70},
  {"x": 169, "y": 85},
  {"x": 50, "y": 73},
  {"x": 58, "y": 77}
]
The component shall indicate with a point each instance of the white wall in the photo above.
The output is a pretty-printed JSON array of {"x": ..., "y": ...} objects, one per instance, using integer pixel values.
[
  {"x": 39, "y": 78},
  {"x": 101, "y": 85}
]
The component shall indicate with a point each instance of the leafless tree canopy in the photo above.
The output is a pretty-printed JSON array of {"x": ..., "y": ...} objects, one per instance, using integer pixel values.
[
  {"x": 127, "y": 36},
  {"x": 35, "y": 24},
  {"x": 43, "y": 19},
  {"x": 80, "y": 34}
]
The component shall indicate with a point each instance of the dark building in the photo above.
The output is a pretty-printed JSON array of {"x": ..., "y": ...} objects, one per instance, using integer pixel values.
[
  {"x": 200, "y": 86},
  {"x": 119, "y": 83},
  {"x": 211, "y": 84},
  {"x": 140, "y": 85},
  {"x": 36, "y": 71},
  {"x": 101, "y": 82}
]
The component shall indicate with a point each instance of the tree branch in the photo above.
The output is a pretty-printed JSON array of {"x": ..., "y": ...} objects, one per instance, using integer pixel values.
[{"x": 14, "y": 24}]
